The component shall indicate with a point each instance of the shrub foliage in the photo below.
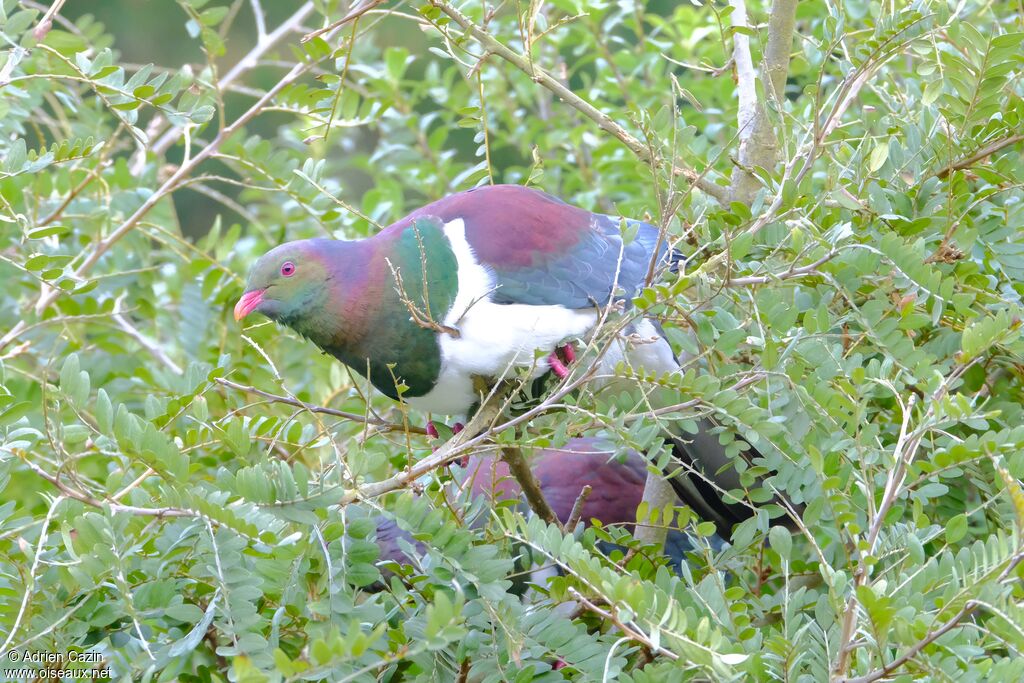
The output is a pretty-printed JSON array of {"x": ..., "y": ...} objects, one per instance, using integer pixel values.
[{"x": 177, "y": 498}]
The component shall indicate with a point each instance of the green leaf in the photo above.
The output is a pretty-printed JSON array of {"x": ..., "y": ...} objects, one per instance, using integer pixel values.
[
  {"x": 932, "y": 92},
  {"x": 956, "y": 528},
  {"x": 781, "y": 541},
  {"x": 878, "y": 156},
  {"x": 40, "y": 233},
  {"x": 104, "y": 412},
  {"x": 37, "y": 262}
]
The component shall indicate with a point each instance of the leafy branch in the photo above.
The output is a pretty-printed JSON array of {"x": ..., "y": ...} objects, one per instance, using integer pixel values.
[{"x": 540, "y": 76}]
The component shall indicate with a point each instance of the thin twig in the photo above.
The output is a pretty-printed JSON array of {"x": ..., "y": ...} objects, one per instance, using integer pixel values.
[
  {"x": 809, "y": 269},
  {"x": 481, "y": 428},
  {"x": 354, "y": 14},
  {"x": 246, "y": 63},
  {"x": 633, "y": 633},
  {"x": 102, "y": 504},
  {"x": 143, "y": 340},
  {"x": 260, "y": 19},
  {"x": 355, "y": 417},
  {"x": 969, "y": 608},
  {"x": 50, "y": 294},
  {"x": 577, "y": 508},
  {"x": 46, "y": 23},
  {"x": 520, "y": 469},
  {"x": 30, "y": 580},
  {"x": 988, "y": 150},
  {"x": 421, "y": 318},
  {"x": 903, "y": 457}
]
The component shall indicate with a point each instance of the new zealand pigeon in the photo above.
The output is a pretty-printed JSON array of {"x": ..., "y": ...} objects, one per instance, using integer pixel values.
[
  {"x": 617, "y": 486},
  {"x": 470, "y": 285}
]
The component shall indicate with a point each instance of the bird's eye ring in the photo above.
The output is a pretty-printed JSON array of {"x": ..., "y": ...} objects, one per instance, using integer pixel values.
[{"x": 287, "y": 269}]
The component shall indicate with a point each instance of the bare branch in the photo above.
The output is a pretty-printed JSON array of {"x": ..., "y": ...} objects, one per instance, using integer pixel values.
[
  {"x": 746, "y": 78},
  {"x": 246, "y": 63},
  {"x": 520, "y": 469},
  {"x": 775, "y": 63},
  {"x": 577, "y": 508},
  {"x": 985, "y": 151}
]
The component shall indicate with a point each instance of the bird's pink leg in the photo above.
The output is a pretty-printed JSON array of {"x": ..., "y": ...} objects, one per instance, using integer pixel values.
[
  {"x": 557, "y": 366},
  {"x": 561, "y": 357},
  {"x": 568, "y": 353}
]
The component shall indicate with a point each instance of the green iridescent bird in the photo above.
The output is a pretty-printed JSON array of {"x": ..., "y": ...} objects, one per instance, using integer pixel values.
[
  {"x": 506, "y": 270},
  {"x": 488, "y": 278}
]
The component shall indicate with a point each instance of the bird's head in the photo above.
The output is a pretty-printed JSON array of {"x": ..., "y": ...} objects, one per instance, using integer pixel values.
[{"x": 286, "y": 282}]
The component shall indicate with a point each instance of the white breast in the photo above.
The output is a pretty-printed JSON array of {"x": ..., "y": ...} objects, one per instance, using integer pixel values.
[
  {"x": 492, "y": 337},
  {"x": 642, "y": 346}
]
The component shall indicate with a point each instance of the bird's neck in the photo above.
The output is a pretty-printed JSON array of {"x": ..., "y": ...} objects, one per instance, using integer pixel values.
[{"x": 363, "y": 320}]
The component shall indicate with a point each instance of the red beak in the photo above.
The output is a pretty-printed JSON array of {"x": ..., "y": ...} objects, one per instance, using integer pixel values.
[{"x": 248, "y": 302}]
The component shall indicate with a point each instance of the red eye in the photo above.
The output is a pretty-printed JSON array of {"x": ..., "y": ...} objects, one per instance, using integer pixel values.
[{"x": 287, "y": 269}]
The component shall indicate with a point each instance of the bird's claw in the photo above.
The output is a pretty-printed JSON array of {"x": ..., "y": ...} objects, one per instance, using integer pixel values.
[
  {"x": 557, "y": 366},
  {"x": 567, "y": 352},
  {"x": 560, "y": 358}
]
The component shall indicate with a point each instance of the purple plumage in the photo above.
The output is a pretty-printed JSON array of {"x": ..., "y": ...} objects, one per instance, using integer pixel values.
[
  {"x": 545, "y": 252},
  {"x": 617, "y": 482}
]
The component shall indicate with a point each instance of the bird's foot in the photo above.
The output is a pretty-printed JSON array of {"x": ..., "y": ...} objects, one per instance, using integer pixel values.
[
  {"x": 567, "y": 352},
  {"x": 557, "y": 366},
  {"x": 560, "y": 358},
  {"x": 434, "y": 434}
]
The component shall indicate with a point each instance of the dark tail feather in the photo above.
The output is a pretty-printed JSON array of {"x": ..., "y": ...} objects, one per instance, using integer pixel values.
[{"x": 703, "y": 460}]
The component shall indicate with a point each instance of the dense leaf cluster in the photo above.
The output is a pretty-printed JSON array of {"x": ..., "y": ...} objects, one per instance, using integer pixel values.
[{"x": 171, "y": 486}]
